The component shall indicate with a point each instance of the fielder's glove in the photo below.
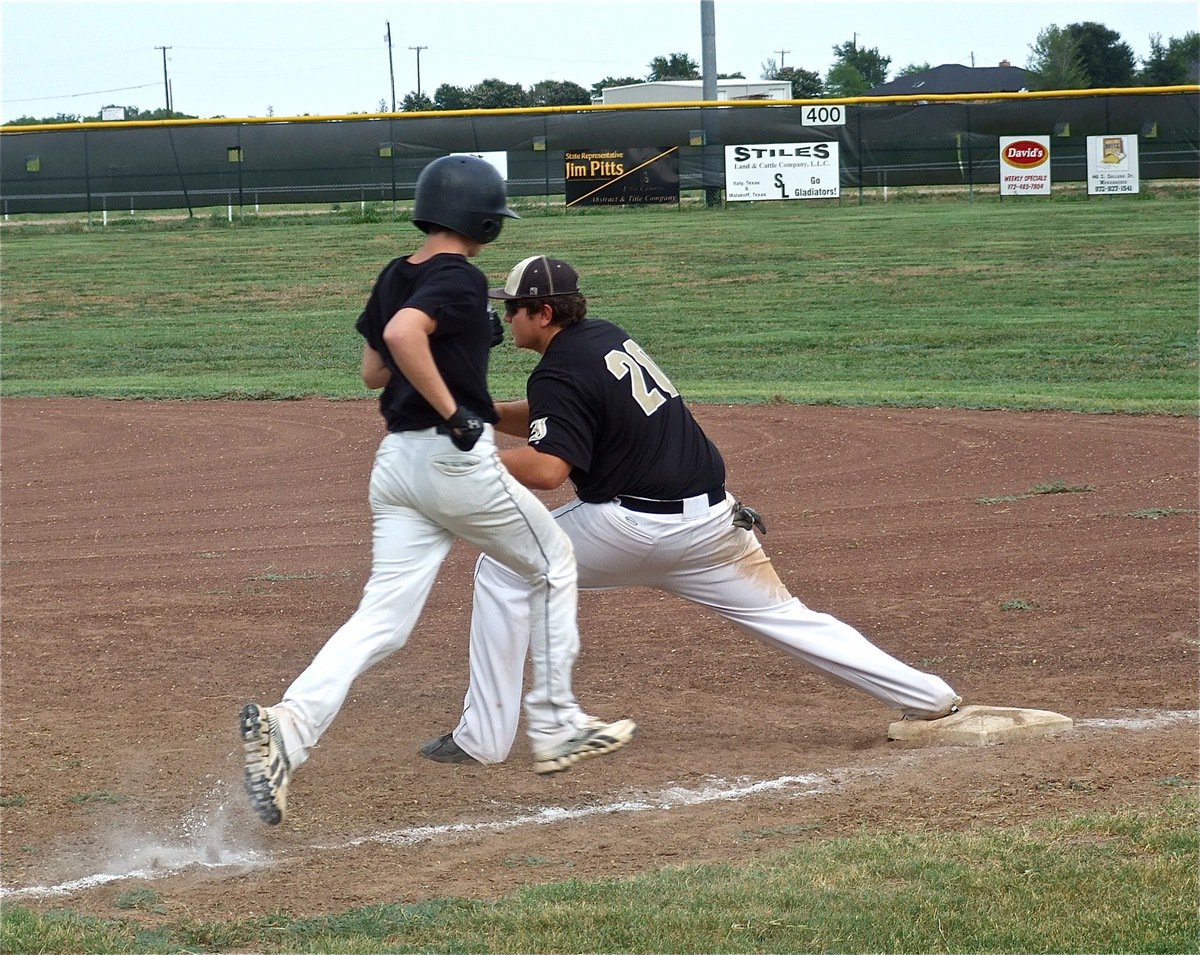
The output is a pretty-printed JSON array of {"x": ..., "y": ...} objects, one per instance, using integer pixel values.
[
  {"x": 747, "y": 518},
  {"x": 497, "y": 327},
  {"x": 465, "y": 428}
]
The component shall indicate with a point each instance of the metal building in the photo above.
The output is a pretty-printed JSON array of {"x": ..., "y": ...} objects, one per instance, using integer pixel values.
[{"x": 686, "y": 91}]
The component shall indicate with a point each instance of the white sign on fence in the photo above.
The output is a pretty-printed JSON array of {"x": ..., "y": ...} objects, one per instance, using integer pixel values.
[
  {"x": 1112, "y": 165},
  {"x": 498, "y": 160},
  {"x": 823, "y": 116},
  {"x": 767, "y": 171},
  {"x": 1024, "y": 165}
]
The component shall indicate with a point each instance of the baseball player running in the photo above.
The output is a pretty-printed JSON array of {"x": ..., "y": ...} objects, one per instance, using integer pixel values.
[
  {"x": 651, "y": 511},
  {"x": 436, "y": 477}
]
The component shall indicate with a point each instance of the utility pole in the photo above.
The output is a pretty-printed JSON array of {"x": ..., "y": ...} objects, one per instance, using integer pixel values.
[
  {"x": 166, "y": 82},
  {"x": 708, "y": 67},
  {"x": 708, "y": 50},
  {"x": 391, "y": 72},
  {"x": 781, "y": 53},
  {"x": 418, "y": 49}
]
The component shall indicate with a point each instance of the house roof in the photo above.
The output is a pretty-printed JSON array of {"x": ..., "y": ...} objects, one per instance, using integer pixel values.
[{"x": 956, "y": 78}]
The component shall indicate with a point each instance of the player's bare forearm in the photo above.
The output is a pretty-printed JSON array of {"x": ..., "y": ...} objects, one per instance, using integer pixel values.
[
  {"x": 375, "y": 374},
  {"x": 534, "y": 469},
  {"x": 514, "y": 417},
  {"x": 407, "y": 338}
]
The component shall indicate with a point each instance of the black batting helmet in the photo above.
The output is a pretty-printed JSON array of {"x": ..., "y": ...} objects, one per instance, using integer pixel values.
[{"x": 462, "y": 193}]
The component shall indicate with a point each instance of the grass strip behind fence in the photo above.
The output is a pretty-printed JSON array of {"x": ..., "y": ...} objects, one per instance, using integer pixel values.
[
  {"x": 1108, "y": 882},
  {"x": 1027, "y": 304}
]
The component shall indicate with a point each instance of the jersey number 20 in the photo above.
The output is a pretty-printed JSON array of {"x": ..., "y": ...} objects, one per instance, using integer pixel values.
[{"x": 633, "y": 362}]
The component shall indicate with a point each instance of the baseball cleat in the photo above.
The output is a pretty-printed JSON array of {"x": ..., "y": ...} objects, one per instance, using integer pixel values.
[
  {"x": 445, "y": 750},
  {"x": 935, "y": 714},
  {"x": 595, "y": 739},
  {"x": 267, "y": 766}
]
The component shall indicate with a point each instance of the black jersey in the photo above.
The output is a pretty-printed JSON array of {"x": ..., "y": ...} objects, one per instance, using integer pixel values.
[
  {"x": 600, "y": 403},
  {"x": 452, "y": 292}
]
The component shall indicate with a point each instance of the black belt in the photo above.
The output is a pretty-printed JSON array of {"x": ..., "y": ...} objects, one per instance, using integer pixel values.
[{"x": 648, "y": 506}]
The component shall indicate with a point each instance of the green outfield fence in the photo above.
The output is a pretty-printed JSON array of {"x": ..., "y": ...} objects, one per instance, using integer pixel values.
[{"x": 885, "y": 141}]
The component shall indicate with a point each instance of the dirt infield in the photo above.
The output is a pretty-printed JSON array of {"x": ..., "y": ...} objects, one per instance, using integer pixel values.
[{"x": 165, "y": 562}]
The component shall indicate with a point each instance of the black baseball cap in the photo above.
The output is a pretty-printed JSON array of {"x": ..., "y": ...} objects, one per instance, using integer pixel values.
[{"x": 538, "y": 277}]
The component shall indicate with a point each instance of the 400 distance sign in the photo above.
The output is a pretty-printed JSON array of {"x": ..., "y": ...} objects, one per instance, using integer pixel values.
[{"x": 766, "y": 171}]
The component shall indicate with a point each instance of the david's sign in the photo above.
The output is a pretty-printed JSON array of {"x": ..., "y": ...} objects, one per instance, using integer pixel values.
[{"x": 1024, "y": 165}]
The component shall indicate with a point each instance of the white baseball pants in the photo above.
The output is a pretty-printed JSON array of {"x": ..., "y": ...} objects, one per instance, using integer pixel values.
[
  {"x": 424, "y": 493},
  {"x": 698, "y": 555}
]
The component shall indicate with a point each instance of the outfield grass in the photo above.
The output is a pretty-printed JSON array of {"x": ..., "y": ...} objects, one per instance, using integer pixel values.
[
  {"x": 1087, "y": 305},
  {"x": 1116, "y": 882}
]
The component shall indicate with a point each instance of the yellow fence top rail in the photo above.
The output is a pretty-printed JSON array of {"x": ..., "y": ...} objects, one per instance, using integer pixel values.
[{"x": 610, "y": 107}]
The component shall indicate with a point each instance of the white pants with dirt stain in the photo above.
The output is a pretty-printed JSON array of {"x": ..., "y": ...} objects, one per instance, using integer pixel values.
[{"x": 699, "y": 555}]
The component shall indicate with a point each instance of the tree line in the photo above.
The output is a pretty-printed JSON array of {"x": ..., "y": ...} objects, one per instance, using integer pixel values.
[{"x": 1078, "y": 56}]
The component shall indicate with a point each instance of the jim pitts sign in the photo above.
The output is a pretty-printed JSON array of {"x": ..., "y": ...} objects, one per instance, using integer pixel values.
[
  {"x": 1024, "y": 165},
  {"x": 767, "y": 171},
  {"x": 638, "y": 176}
]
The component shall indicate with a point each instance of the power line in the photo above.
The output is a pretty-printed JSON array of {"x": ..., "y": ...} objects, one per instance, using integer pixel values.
[
  {"x": 277, "y": 49},
  {"x": 119, "y": 89},
  {"x": 781, "y": 53}
]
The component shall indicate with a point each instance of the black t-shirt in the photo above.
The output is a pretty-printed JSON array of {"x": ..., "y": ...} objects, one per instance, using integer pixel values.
[
  {"x": 600, "y": 403},
  {"x": 452, "y": 292}
]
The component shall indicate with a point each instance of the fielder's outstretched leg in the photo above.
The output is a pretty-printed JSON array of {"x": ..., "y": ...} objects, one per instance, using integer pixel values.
[{"x": 746, "y": 591}]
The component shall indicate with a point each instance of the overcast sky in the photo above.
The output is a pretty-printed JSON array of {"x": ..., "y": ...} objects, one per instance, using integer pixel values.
[{"x": 246, "y": 58}]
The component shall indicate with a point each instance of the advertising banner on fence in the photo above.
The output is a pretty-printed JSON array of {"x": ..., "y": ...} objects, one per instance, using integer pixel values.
[
  {"x": 639, "y": 176},
  {"x": 1024, "y": 165},
  {"x": 765, "y": 171},
  {"x": 1112, "y": 165}
]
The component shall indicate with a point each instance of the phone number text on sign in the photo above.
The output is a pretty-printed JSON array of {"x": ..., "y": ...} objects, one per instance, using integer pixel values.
[{"x": 762, "y": 172}]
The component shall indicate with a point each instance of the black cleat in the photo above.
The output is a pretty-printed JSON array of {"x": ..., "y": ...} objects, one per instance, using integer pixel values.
[{"x": 445, "y": 750}]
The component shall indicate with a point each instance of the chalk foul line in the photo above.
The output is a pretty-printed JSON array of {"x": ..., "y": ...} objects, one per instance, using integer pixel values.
[
  {"x": 158, "y": 862},
  {"x": 209, "y": 849}
]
